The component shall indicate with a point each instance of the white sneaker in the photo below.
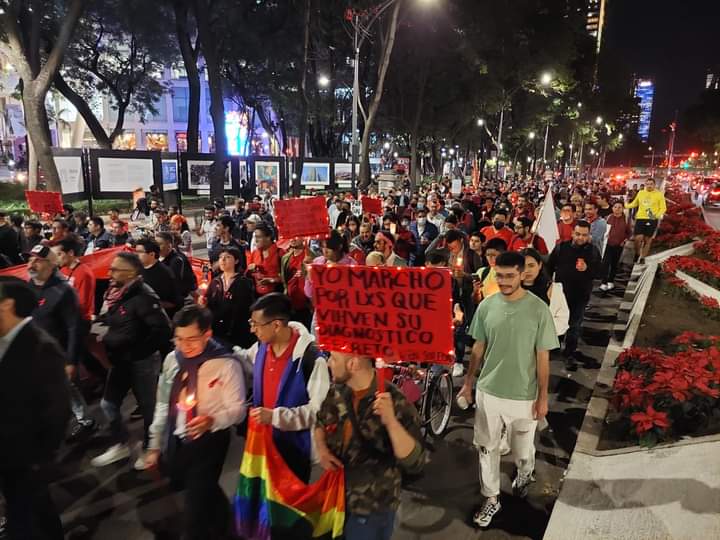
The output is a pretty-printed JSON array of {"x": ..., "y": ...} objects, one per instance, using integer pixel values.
[
  {"x": 610, "y": 286},
  {"x": 115, "y": 453},
  {"x": 139, "y": 464},
  {"x": 483, "y": 517},
  {"x": 457, "y": 370},
  {"x": 603, "y": 287},
  {"x": 521, "y": 483}
]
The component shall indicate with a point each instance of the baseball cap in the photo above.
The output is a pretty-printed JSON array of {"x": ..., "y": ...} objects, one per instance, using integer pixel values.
[
  {"x": 253, "y": 218},
  {"x": 43, "y": 252}
]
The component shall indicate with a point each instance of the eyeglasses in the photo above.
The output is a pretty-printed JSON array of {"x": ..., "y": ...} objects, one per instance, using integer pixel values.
[{"x": 254, "y": 324}]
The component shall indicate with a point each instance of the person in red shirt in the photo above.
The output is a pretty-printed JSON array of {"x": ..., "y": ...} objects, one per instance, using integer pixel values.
[
  {"x": 498, "y": 228},
  {"x": 524, "y": 237},
  {"x": 620, "y": 232},
  {"x": 291, "y": 271},
  {"x": 264, "y": 262},
  {"x": 566, "y": 224},
  {"x": 79, "y": 274},
  {"x": 290, "y": 380},
  {"x": 523, "y": 208}
]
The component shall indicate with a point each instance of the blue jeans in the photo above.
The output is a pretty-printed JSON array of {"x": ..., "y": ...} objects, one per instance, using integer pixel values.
[
  {"x": 377, "y": 526},
  {"x": 140, "y": 376}
]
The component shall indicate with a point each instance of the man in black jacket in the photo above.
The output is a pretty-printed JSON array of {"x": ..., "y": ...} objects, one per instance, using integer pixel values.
[
  {"x": 9, "y": 241},
  {"x": 133, "y": 327},
  {"x": 177, "y": 262},
  {"x": 98, "y": 237},
  {"x": 576, "y": 264},
  {"x": 34, "y": 401},
  {"x": 58, "y": 313},
  {"x": 159, "y": 277}
]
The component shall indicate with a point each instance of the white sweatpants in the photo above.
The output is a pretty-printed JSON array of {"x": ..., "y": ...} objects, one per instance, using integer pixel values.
[{"x": 491, "y": 414}]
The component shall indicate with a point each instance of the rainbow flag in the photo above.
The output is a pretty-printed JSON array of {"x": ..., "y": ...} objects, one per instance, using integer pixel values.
[{"x": 272, "y": 501}]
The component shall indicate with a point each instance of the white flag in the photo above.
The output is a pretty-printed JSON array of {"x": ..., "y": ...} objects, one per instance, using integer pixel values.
[{"x": 546, "y": 224}]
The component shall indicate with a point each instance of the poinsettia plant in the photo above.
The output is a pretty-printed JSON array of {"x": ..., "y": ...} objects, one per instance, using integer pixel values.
[{"x": 661, "y": 395}]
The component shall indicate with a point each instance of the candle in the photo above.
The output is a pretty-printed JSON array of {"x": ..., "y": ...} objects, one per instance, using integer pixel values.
[
  {"x": 459, "y": 261},
  {"x": 185, "y": 414}
]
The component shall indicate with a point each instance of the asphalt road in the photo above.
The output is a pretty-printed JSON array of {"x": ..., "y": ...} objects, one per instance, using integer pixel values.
[{"x": 712, "y": 216}]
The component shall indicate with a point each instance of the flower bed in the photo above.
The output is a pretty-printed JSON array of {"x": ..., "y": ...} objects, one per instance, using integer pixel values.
[
  {"x": 704, "y": 270},
  {"x": 660, "y": 396},
  {"x": 682, "y": 223}
]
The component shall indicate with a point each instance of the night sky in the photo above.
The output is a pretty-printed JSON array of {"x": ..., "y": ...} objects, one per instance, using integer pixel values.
[{"x": 674, "y": 42}]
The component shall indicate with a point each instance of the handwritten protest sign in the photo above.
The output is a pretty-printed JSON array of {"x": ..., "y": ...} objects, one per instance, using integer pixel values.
[
  {"x": 372, "y": 205},
  {"x": 396, "y": 314},
  {"x": 45, "y": 201},
  {"x": 298, "y": 218}
]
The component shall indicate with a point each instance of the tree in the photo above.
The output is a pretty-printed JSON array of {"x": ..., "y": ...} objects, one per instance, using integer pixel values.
[
  {"x": 385, "y": 49},
  {"x": 211, "y": 18},
  {"x": 21, "y": 41},
  {"x": 702, "y": 119},
  {"x": 186, "y": 34},
  {"x": 127, "y": 73}
]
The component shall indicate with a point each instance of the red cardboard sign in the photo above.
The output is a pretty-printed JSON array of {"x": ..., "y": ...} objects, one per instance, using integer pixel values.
[
  {"x": 372, "y": 205},
  {"x": 45, "y": 201},
  {"x": 396, "y": 314},
  {"x": 300, "y": 218}
]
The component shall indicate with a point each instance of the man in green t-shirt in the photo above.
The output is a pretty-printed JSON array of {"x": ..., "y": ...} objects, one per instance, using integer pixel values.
[{"x": 514, "y": 333}]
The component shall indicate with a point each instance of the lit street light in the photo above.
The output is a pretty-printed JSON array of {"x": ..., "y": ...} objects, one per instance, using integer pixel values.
[
  {"x": 545, "y": 78},
  {"x": 481, "y": 122},
  {"x": 452, "y": 151},
  {"x": 620, "y": 136},
  {"x": 599, "y": 120},
  {"x": 579, "y": 105},
  {"x": 323, "y": 81},
  {"x": 386, "y": 146},
  {"x": 531, "y": 135}
]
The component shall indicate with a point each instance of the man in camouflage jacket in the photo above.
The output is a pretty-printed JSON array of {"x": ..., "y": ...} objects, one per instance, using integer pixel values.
[{"x": 375, "y": 436}]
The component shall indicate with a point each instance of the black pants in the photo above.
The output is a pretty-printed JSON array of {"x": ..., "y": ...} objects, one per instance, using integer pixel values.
[
  {"x": 31, "y": 514},
  {"x": 140, "y": 376},
  {"x": 611, "y": 262},
  {"x": 577, "y": 314},
  {"x": 196, "y": 467}
]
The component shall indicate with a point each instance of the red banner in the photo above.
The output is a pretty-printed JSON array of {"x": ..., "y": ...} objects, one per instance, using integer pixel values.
[
  {"x": 302, "y": 218},
  {"x": 49, "y": 202},
  {"x": 99, "y": 263},
  {"x": 372, "y": 205},
  {"x": 394, "y": 314}
]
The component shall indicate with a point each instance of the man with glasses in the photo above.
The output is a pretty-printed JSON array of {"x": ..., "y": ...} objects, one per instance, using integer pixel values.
[
  {"x": 133, "y": 327},
  {"x": 290, "y": 380},
  {"x": 514, "y": 334},
  {"x": 200, "y": 375}
]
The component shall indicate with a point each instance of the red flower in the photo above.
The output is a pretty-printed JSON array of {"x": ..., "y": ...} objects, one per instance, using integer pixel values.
[
  {"x": 645, "y": 421},
  {"x": 709, "y": 302}
]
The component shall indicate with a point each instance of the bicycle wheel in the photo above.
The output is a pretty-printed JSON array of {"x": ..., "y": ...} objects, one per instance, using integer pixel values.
[{"x": 439, "y": 403}]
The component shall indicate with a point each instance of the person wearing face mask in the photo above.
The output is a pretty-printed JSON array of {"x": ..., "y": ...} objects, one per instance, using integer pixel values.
[
  {"x": 424, "y": 233},
  {"x": 404, "y": 239},
  {"x": 498, "y": 228}
]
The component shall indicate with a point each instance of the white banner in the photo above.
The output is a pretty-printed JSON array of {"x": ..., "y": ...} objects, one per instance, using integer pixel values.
[
  {"x": 70, "y": 172},
  {"x": 125, "y": 174}
]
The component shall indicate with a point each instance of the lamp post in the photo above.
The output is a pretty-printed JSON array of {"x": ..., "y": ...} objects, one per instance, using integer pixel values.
[{"x": 531, "y": 136}]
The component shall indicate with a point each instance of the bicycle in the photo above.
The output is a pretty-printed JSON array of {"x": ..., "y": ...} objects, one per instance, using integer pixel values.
[{"x": 430, "y": 389}]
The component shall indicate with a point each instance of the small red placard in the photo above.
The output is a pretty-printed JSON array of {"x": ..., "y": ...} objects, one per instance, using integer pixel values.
[
  {"x": 371, "y": 205},
  {"x": 396, "y": 314},
  {"x": 302, "y": 218},
  {"x": 49, "y": 202}
]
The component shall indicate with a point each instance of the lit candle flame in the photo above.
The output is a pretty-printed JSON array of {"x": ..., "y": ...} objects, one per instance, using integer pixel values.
[{"x": 190, "y": 400}]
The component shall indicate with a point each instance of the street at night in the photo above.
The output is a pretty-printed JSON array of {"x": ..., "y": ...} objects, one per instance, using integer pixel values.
[{"x": 359, "y": 270}]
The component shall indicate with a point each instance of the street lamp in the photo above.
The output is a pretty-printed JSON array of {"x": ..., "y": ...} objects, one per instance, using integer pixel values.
[
  {"x": 324, "y": 81},
  {"x": 531, "y": 135},
  {"x": 620, "y": 136},
  {"x": 546, "y": 79},
  {"x": 599, "y": 120},
  {"x": 386, "y": 146},
  {"x": 579, "y": 105},
  {"x": 480, "y": 122}
]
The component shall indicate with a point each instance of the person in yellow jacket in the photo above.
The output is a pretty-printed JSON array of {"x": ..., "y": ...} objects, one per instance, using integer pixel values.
[{"x": 651, "y": 208}]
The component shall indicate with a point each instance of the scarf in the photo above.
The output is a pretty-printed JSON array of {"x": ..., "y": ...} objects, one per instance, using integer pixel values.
[
  {"x": 115, "y": 293},
  {"x": 187, "y": 378}
]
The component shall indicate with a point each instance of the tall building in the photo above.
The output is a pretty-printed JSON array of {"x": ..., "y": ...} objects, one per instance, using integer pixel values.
[
  {"x": 595, "y": 21},
  {"x": 644, "y": 91}
]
